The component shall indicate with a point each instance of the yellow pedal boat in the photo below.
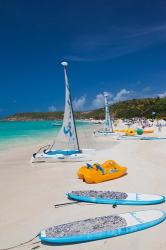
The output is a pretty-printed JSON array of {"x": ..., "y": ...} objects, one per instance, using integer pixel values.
[{"x": 97, "y": 173}]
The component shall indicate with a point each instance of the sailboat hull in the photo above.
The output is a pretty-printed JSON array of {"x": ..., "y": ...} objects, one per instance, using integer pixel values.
[
  {"x": 106, "y": 133},
  {"x": 64, "y": 156}
]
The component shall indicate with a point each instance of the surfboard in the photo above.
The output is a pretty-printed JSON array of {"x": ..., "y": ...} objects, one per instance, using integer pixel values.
[
  {"x": 116, "y": 198},
  {"x": 139, "y": 137},
  {"x": 128, "y": 137},
  {"x": 153, "y": 138},
  {"x": 102, "y": 227}
]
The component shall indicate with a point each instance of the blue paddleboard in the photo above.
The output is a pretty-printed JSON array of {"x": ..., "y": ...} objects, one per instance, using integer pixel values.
[
  {"x": 116, "y": 198},
  {"x": 102, "y": 227},
  {"x": 153, "y": 138}
]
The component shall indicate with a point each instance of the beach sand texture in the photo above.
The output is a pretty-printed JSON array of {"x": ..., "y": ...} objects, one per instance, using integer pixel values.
[{"x": 30, "y": 191}]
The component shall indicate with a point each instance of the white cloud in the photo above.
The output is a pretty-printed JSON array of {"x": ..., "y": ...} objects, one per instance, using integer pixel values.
[
  {"x": 121, "y": 95},
  {"x": 78, "y": 104},
  {"x": 161, "y": 95},
  {"x": 52, "y": 108},
  {"x": 98, "y": 102}
]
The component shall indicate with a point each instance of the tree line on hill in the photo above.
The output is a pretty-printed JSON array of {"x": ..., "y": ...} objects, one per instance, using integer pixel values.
[{"x": 147, "y": 107}]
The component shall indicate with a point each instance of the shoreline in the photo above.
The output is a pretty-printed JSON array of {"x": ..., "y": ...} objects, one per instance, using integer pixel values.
[{"x": 37, "y": 136}]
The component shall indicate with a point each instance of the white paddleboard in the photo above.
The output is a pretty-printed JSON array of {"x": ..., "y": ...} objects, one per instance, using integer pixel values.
[
  {"x": 116, "y": 198},
  {"x": 102, "y": 227}
]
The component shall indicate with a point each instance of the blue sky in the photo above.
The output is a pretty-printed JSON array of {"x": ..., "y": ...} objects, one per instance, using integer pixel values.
[{"x": 111, "y": 45}]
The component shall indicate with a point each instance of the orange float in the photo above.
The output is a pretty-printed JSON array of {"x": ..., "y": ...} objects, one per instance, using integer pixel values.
[
  {"x": 148, "y": 131},
  {"x": 125, "y": 131}
]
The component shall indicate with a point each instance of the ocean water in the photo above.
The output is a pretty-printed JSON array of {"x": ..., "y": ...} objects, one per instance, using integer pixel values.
[{"x": 19, "y": 132}]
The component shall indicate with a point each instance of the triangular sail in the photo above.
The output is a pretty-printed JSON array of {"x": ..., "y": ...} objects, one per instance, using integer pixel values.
[
  {"x": 108, "y": 124},
  {"x": 68, "y": 133}
]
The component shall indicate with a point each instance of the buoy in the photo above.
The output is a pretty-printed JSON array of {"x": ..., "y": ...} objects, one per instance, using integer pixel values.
[{"x": 139, "y": 131}]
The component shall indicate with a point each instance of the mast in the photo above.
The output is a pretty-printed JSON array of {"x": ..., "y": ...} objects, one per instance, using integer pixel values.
[
  {"x": 108, "y": 123},
  {"x": 69, "y": 101}
]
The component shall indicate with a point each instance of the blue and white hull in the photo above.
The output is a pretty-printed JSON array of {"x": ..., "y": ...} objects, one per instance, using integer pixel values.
[
  {"x": 64, "y": 156},
  {"x": 106, "y": 133}
]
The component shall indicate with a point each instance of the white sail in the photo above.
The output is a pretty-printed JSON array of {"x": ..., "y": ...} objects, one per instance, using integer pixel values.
[
  {"x": 108, "y": 125},
  {"x": 69, "y": 151},
  {"x": 68, "y": 131}
]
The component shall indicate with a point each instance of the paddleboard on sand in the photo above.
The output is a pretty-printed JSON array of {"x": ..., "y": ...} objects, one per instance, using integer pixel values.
[
  {"x": 153, "y": 138},
  {"x": 139, "y": 137},
  {"x": 116, "y": 198},
  {"x": 129, "y": 137},
  {"x": 102, "y": 227}
]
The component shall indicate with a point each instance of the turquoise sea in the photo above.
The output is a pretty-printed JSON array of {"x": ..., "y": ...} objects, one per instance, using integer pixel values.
[{"x": 19, "y": 132}]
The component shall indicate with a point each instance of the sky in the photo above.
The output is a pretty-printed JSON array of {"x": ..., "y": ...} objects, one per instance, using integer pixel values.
[{"x": 114, "y": 46}]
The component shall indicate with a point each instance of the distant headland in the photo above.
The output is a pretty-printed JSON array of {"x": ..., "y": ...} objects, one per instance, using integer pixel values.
[{"x": 147, "y": 107}]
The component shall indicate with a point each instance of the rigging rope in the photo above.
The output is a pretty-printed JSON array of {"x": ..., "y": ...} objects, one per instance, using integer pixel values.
[
  {"x": 21, "y": 244},
  {"x": 66, "y": 204}
]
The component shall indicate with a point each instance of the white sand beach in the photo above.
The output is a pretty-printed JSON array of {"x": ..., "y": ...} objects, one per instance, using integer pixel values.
[{"x": 30, "y": 191}]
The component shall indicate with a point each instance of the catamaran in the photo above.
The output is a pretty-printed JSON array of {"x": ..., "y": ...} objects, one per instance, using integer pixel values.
[
  {"x": 67, "y": 134},
  {"x": 108, "y": 129}
]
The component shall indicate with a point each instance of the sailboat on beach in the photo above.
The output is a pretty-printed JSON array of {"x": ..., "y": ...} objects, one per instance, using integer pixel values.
[
  {"x": 108, "y": 129},
  {"x": 67, "y": 134}
]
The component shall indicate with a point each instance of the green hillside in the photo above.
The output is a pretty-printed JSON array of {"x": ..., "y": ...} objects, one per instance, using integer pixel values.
[
  {"x": 132, "y": 108},
  {"x": 147, "y": 107}
]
